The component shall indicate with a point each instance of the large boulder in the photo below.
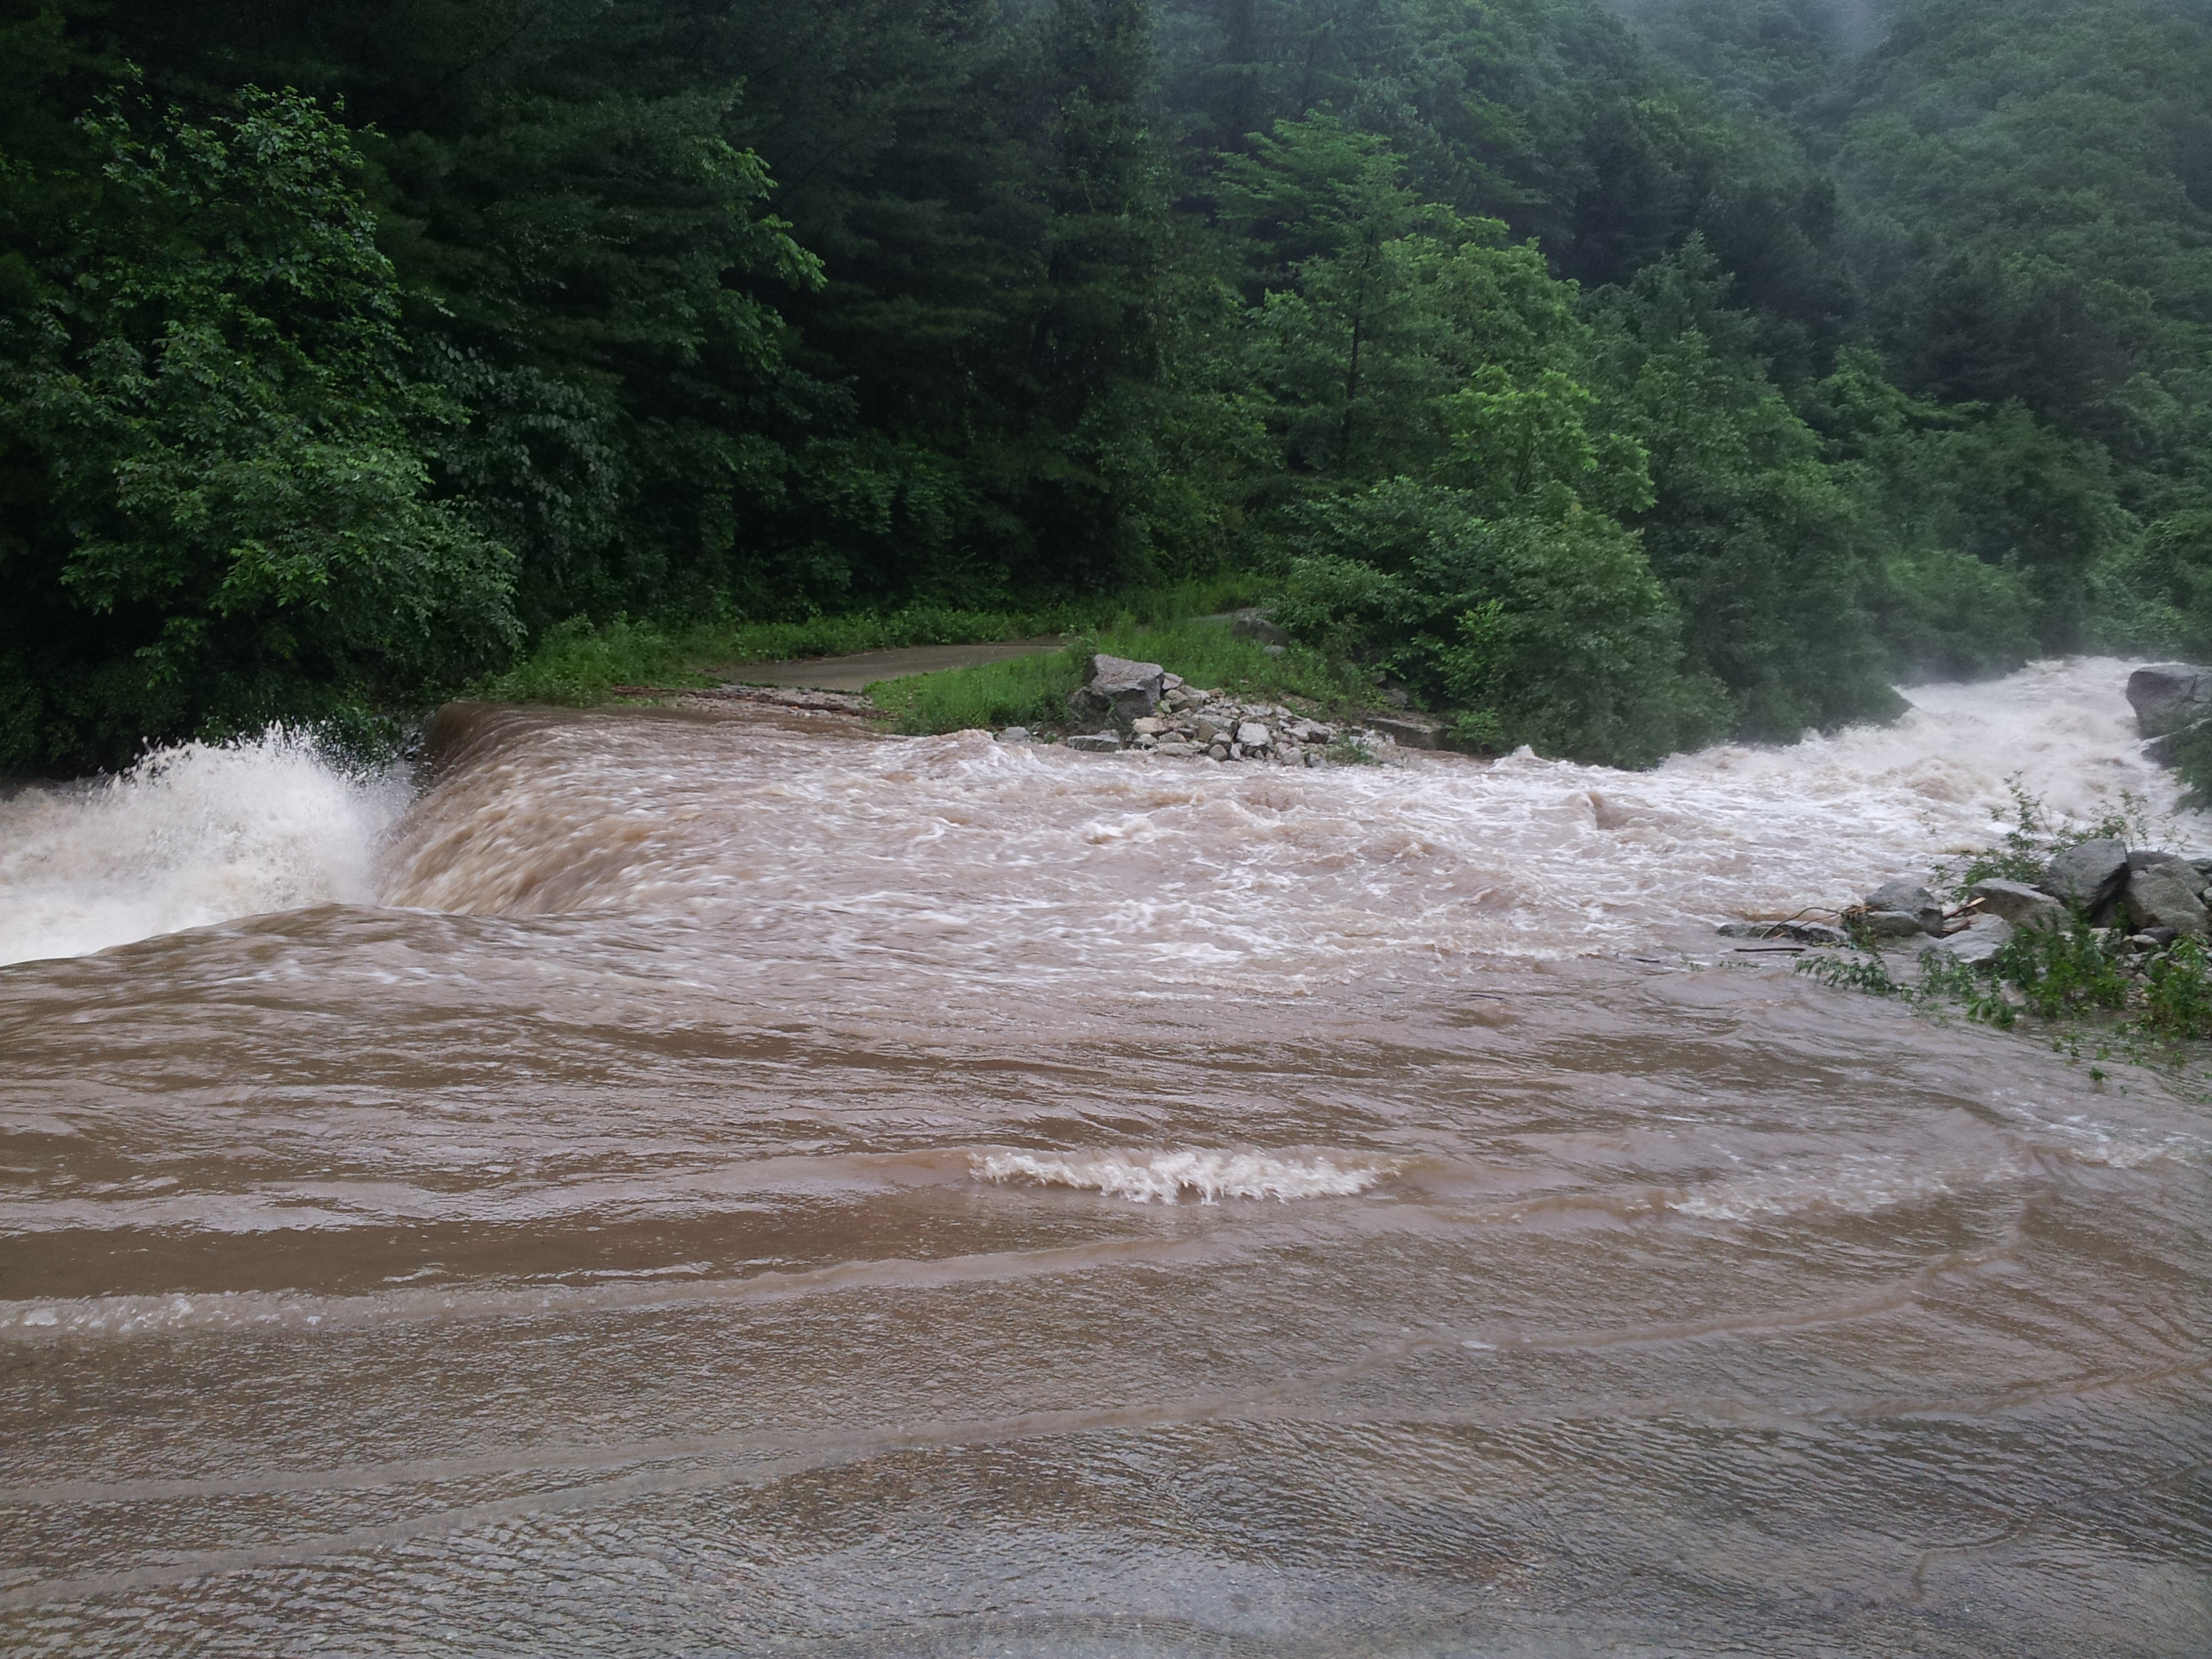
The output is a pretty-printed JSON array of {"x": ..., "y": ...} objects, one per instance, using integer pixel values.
[
  {"x": 1409, "y": 730},
  {"x": 2166, "y": 750},
  {"x": 1975, "y": 944},
  {"x": 1890, "y": 924},
  {"x": 2166, "y": 896},
  {"x": 2087, "y": 875},
  {"x": 1254, "y": 624},
  {"x": 1911, "y": 898},
  {"x": 1117, "y": 689},
  {"x": 2017, "y": 902},
  {"x": 2168, "y": 695}
]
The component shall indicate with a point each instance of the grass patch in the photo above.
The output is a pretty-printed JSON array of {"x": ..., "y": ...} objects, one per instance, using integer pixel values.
[
  {"x": 580, "y": 665},
  {"x": 1033, "y": 691},
  {"x": 1025, "y": 691},
  {"x": 579, "y": 662}
]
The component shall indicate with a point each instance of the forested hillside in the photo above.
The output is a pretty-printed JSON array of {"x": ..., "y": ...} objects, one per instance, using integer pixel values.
[{"x": 1612, "y": 377}]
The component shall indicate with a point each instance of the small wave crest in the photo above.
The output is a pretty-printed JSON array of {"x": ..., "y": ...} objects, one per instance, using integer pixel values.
[
  {"x": 193, "y": 835},
  {"x": 1163, "y": 1178}
]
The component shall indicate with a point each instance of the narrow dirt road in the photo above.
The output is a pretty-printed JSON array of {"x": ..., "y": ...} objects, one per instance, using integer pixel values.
[{"x": 859, "y": 671}]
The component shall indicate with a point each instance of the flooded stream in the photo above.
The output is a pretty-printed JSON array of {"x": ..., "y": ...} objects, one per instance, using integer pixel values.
[{"x": 672, "y": 1184}]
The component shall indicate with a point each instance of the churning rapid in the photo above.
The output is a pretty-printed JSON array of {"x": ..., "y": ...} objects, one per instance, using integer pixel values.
[{"x": 661, "y": 1184}]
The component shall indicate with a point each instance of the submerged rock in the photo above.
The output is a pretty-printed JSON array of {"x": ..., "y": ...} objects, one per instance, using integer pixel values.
[
  {"x": 2089, "y": 875},
  {"x": 1094, "y": 742},
  {"x": 1015, "y": 734},
  {"x": 1798, "y": 933}
]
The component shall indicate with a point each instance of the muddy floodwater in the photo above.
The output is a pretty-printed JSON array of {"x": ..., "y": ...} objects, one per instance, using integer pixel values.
[{"x": 658, "y": 1184}]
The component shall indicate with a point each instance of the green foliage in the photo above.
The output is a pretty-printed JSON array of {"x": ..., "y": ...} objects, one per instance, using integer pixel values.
[
  {"x": 2067, "y": 978},
  {"x": 1033, "y": 691},
  {"x": 1860, "y": 970},
  {"x": 207, "y": 402},
  {"x": 1546, "y": 631},
  {"x": 1756, "y": 538},
  {"x": 2032, "y": 837},
  {"x": 580, "y": 665},
  {"x": 2177, "y": 1001},
  {"x": 1696, "y": 366}
]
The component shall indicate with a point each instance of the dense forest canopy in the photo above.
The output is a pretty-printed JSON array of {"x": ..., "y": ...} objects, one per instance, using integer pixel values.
[{"x": 1614, "y": 377}]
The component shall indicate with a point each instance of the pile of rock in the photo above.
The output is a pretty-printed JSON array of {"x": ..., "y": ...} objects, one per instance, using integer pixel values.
[
  {"x": 1141, "y": 706},
  {"x": 2152, "y": 898}
]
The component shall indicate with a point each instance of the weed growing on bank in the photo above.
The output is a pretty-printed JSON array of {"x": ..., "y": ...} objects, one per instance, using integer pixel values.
[
  {"x": 2032, "y": 836},
  {"x": 2080, "y": 982},
  {"x": 579, "y": 662},
  {"x": 1033, "y": 691}
]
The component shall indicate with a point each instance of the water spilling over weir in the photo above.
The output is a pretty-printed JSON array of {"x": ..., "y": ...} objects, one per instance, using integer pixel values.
[{"x": 675, "y": 1184}]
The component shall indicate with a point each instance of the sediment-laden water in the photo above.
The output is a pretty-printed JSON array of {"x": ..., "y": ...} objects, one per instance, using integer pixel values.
[{"x": 658, "y": 1184}]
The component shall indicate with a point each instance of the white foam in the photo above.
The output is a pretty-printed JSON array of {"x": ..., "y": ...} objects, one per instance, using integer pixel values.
[
  {"x": 190, "y": 836},
  {"x": 1165, "y": 1176},
  {"x": 967, "y": 855}
]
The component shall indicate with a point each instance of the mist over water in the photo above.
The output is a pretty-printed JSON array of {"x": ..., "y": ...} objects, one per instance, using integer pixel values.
[{"x": 682, "y": 1184}]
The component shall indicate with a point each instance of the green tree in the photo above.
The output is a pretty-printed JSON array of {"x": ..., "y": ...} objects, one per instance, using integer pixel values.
[
  {"x": 1760, "y": 545},
  {"x": 222, "y": 491}
]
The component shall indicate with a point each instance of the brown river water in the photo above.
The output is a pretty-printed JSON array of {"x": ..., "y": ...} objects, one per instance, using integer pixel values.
[{"x": 656, "y": 1184}]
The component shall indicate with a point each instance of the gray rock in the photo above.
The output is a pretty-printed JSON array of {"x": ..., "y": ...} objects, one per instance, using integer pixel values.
[
  {"x": 1095, "y": 743},
  {"x": 1219, "y": 750},
  {"x": 1253, "y": 735},
  {"x": 2169, "y": 695},
  {"x": 2087, "y": 875},
  {"x": 2166, "y": 895},
  {"x": 1116, "y": 688},
  {"x": 1015, "y": 734},
  {"x": 1253, "y": 625},
  {"x": 1980, "y": 942},
  {"x": 2140, "y": 859},
  {"x": 1412, "y": 731},
  {"x": 1911, "y": 898},
  {"x": 1891, "y": 924},
  {"x": 2166, "y": 750},
  {"x": 1175, "y": 749},
  {"x": 2018, "y": 903}
]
